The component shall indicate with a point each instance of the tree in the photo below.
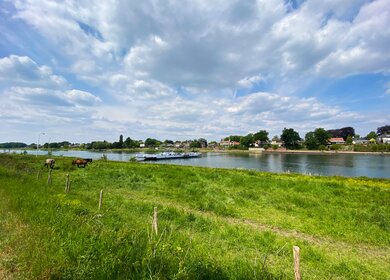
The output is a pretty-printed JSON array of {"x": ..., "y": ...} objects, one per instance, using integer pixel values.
[
  {"x": 311, "y": 141},
  {"x": 150, "y": 142},
  {"x": 349, "y": 140},
  {"x": 262, "y": 136},
  {"x": 342, "y": 132},
  {"x": 130, "y": 143},
  {"x": 383, "y": 130},
  {"x": 235, "y": 138},
  {"x": 290, "y": 138},
  {"x": 322, "y": 136},
  {"x": 168, "y": 142},
  {"x": 371, "y": 135},
  {"x": 195, "y": 144},
  {"x": 121, "y": 141},
  {"x": 246, "y": 141},
  {"x": 203, "y": 142},
  {"x": 10, "y": 145}
]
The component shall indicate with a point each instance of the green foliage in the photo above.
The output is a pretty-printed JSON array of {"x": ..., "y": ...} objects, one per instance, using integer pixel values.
[
  {"x": 349, "y": 139},
  {"x": 99, "y": 145},
  {"x": 372, "y": 148},
  {"x": 12, "y": 145},
  {"x": 246, "y": 141},
  {"x": 335, "y": 147},
  {"x": 262, "y": 135},
  {"x": 311, "y": 141},
  {"x": 342, "y": 132},
  {"x": 235, "y": 138},
  {"x": 212, "y": 223},
  {"x": 150, "y": 142},
  {"x": 322, "y": 136},
  {"x": 383, "y": 130},
  {"x": 290, "y": 138},
  {"x": 371, "y": 135}
]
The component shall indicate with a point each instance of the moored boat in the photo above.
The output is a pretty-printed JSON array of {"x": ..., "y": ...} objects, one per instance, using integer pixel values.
[{"x": 166, "y": 155}]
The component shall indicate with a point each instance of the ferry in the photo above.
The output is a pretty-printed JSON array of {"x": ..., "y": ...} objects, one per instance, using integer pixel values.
[{"x": 166, "y": 155}]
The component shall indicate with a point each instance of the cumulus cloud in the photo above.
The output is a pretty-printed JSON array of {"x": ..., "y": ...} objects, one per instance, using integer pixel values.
[
  {"x": 23, "y": 70},
  {"x": 48, "y": 97},
  {"x": 212, "y": 45},
  {"x": 174, "y": 67}
]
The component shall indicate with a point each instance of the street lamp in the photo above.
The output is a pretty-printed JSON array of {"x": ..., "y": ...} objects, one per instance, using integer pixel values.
[{"x": 39, "y": 136}]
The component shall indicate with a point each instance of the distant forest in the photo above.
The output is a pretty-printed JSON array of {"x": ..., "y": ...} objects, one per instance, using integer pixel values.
[{"x": 10, "y": 145}]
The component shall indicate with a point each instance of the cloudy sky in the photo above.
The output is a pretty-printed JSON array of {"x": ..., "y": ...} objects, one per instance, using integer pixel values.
[{"x": 183, "y": 69}]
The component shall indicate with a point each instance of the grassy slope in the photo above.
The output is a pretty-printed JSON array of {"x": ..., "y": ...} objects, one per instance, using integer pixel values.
[{"x": 213, "y": 223}]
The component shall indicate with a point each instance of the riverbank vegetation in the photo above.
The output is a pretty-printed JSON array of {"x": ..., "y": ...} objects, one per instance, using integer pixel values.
[
  {"x": 319, "y": 139},
  {"x": 212, "y": 223}
]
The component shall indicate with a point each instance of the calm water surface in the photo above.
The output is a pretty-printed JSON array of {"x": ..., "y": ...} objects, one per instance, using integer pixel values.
[{"x": 350, "y": 165}]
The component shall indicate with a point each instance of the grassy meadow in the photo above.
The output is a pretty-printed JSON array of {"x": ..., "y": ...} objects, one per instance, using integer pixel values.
[{"x": 212, "y": 223}]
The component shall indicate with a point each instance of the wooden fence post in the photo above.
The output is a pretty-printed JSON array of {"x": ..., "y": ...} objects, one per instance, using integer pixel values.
[
  {"x": 39, "y": 174},
  {"x": 67, "y": 183},
  {"x": 49, "y": 177},
  {"x": 154, "y": 224},
  {"x": 296, "y": 252},
  {"x": 101, "y": 199}
]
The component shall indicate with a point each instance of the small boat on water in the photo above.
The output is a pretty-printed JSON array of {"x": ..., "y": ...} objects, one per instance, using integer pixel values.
[{"x": 166, "y": 155}]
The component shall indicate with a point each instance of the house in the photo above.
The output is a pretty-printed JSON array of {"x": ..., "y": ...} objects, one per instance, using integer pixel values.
[
  {"x": 333, "y": 141},
  {"x": 228, "y": 143},
  {"x": 360, "y": 141},
  {"x": 276, "y": 142},
  {"x": 384, "y": 138},
  {"x": 259, "y": 143}
]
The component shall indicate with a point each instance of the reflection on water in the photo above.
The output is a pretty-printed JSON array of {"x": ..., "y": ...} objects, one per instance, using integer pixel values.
[{"x": 350, "y": 165}]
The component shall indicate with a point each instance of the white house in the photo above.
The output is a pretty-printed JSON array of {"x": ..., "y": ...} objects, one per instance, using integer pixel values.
[{"x": 385, "y": 138}]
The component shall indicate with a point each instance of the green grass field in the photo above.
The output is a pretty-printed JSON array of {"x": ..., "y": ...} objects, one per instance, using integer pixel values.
[{"x": 212, "y": 223}]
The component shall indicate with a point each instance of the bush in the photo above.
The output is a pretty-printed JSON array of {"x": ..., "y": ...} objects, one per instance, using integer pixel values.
[{"x": 335, "y": 147}]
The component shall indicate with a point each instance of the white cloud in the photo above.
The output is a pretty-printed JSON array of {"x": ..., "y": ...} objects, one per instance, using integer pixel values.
[
  {"x": 48, "y": 97},
  {"x": 23, "y": 70},
  {"x": 174, "y": 67}
]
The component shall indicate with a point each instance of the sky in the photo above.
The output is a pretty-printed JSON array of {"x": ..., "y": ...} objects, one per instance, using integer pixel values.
[{"x": 88, "y": 70}]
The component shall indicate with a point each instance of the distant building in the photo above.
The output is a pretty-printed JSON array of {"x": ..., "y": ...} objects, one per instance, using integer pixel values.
[
  {"x": 384, "y": 138},
  {"x": 276, "y": 142},
  {"x": 228, "y": 143},
  {"x": 339, "y": 141},
  {"x": 360, "y": 141}
]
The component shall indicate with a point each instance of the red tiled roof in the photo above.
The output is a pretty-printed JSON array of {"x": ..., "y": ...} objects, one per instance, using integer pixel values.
[{"x": 336, "y": 140}]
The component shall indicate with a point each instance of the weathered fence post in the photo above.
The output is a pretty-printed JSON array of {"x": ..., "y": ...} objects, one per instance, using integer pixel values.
[
  {"x": 67, "y": 182},
  {"x": 49, "y": 177},
  {"x": 296, "y": 252},
  {"x": 154, "y": 224},
  {"x": 39, "y": 174},
  {"x": 101, "y": 199}
]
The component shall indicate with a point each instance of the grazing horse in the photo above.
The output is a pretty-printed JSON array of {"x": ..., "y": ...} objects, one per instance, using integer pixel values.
[
  {"x": 81, "y": 162},
  {"x": 49, "y": 163}
]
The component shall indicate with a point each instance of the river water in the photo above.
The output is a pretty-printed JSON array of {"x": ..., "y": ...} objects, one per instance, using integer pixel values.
[{"x": 349, "y": 165}]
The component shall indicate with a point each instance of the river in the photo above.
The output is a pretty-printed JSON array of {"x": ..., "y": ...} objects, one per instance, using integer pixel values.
[{"x": 349, "y": 165}]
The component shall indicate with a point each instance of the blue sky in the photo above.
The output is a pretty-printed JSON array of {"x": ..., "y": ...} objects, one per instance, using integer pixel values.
[{"x": 83, "y": 71}]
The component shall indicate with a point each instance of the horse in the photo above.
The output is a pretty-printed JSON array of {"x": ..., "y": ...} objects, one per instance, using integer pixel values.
[
  {"x": 81, "y": 162},
  {"x": 49, "y": 163}
]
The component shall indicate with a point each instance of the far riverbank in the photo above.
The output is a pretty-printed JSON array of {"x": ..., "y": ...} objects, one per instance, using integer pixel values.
[{"x": 309, "y": 152}]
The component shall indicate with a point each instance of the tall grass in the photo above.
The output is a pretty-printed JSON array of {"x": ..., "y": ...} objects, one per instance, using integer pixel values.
[{"x": 213, "y": 223}]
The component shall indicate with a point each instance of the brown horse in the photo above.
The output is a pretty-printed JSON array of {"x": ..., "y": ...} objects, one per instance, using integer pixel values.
[
  {"x": 49, "y": 163},
  {"x": 81, "y": 162}
]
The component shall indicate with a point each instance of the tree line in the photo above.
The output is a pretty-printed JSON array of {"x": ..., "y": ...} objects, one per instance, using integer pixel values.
[{"x": 316, "y": 139}]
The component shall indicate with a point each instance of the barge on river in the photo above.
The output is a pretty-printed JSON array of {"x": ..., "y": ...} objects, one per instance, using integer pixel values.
[{"x": 166, "y": 155}]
